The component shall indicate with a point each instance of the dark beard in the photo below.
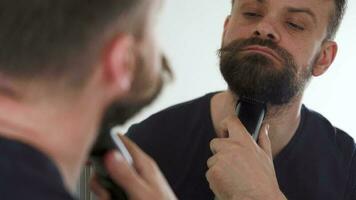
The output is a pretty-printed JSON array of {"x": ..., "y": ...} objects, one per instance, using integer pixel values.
[
  {"x": 255, "y": 76},
  {"x": 121, "y": 111},
  {"x": 118, "y": 113}
]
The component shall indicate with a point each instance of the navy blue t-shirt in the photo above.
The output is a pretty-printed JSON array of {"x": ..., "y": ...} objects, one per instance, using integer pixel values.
[
  {"x": 27, "y": 174},
  {"x": 318, "y": 163}
]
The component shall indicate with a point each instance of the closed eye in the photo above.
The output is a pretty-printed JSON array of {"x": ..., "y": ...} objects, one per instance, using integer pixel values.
[
  {"x": 295, "y": 26},
  {"x": 251, "y": 14}
]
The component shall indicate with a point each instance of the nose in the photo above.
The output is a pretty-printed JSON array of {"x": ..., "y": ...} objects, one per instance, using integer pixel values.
[{"x": 266, "y": 30}]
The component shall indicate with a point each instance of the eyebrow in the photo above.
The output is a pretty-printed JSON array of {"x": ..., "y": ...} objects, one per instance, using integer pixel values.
[
  {"x": 303, "y": 10},
  {"x": 296, "y": 10}
]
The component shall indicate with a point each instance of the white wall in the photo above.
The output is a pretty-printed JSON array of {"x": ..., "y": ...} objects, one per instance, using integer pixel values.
[{"x": 190, "y": 33}]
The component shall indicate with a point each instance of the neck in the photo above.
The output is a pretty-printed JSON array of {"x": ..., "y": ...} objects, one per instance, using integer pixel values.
[
  {"x": 283, "y": 120},
  {"x": 63, "y": 132}
]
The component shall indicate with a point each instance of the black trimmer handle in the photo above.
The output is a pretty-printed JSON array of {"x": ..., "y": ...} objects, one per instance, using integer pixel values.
[{"x": 251, "y": 113}]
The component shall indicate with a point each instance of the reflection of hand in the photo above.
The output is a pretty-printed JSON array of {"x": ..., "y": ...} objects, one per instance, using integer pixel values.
[
  {"x": 143, "y": 182},
  {"x": 239, "y": 168}
]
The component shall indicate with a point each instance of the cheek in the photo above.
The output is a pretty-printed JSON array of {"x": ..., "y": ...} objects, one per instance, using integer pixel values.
[
  {"x": 303, "y": 53},
  {"x": 154, "y": 60},
  {"x": 236, "y": 31},
  {"x": 151, "y": 66},
  {"x": 151, "y": 56}
]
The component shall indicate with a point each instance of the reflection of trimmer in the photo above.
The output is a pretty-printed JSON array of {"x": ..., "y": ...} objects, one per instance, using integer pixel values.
[
  {"x": 104, "y": 143},
  {"x": 251, "y": 113}
]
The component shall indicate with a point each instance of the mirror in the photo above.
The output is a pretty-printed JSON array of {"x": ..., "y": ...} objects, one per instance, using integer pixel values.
[{"x": 190, "y": 33}]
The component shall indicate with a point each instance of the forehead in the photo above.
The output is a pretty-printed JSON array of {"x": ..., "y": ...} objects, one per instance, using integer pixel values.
[{"x": 318, "y": 6}]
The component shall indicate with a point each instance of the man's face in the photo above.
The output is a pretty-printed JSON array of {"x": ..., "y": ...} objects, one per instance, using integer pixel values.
[
  {"x": 269, "y": 47},
  {"x": 151, "y": 66}
]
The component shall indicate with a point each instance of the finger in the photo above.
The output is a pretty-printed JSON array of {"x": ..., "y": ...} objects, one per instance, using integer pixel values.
[
  {"x": 137, "y": 154},
  {"x": 219, "y": 144},
  {"x": 123, "y": 174},
  {"x": 148, "y": 170},
  {"x": 214, "y": 145},
  {"x": 214, "y": 177},
  {"x": 264, "y": 141},
  {"x": 211, "y": 161},
  {"x": 235, "y": 128},
  {"x": 143, "y": 164},
  {"x": 98, "y": 190}
]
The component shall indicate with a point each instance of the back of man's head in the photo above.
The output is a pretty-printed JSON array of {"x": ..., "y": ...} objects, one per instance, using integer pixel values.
[{"x": 60, "y": 40}]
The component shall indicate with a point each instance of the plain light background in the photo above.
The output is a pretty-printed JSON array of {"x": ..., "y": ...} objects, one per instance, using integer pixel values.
[{"x": 190, "y": 34}]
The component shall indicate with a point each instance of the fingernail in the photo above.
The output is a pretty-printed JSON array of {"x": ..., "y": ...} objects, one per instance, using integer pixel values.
[
  {"x": 118, "y": 157},
  {"x": 267, "y": 129}
]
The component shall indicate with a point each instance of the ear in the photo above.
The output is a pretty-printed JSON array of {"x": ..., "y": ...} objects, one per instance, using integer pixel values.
[
  {"x": 119, "y": 63},
  {"x": 326, "y": 58}
]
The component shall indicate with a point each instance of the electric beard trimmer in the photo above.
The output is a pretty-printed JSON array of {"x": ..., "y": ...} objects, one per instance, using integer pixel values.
[
  {"x": 105, "y": 142},
  {"x": 251, "y": 113}
]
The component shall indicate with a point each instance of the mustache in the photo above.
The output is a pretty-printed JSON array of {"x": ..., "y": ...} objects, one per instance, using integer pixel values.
[{"x": 236, "y": 46}]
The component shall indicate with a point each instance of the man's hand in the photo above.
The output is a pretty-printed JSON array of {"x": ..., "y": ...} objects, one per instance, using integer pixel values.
[
  {"x": 241, "y": 169},
  {"x": 143, "y": 182}
]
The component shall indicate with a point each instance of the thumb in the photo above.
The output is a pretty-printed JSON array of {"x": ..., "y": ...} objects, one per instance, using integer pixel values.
[
  {"x": 123, "y": 174},
  {"x": 264, "y": 141}
]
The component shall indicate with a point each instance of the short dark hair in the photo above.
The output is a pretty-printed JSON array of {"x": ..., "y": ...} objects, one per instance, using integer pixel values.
[
  {"x": 59, "y": 39},
  {"x": 335, "y": 18}
]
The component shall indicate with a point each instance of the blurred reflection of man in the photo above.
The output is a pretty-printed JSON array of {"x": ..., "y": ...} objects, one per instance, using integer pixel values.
[{"x": 62, "y": 64}]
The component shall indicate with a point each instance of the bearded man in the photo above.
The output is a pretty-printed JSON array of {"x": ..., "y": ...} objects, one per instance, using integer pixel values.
[{"x": 270, "y": 51}]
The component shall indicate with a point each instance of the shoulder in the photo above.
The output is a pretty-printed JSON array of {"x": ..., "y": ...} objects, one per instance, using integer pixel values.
[
  {"x": 330, "y": 150},
  {"x": 173, "y": 117},
  {"x": 352, "y": 180},
  {"x": 24, "y": 168},
  {"x": 324, "y": 129},
  {"x": 332, "y": 144}
]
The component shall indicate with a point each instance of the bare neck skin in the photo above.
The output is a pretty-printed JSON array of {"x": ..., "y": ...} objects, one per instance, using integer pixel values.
[
  {"x": 62, "y": 130},
  {"x": 283, "y": 125}
]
